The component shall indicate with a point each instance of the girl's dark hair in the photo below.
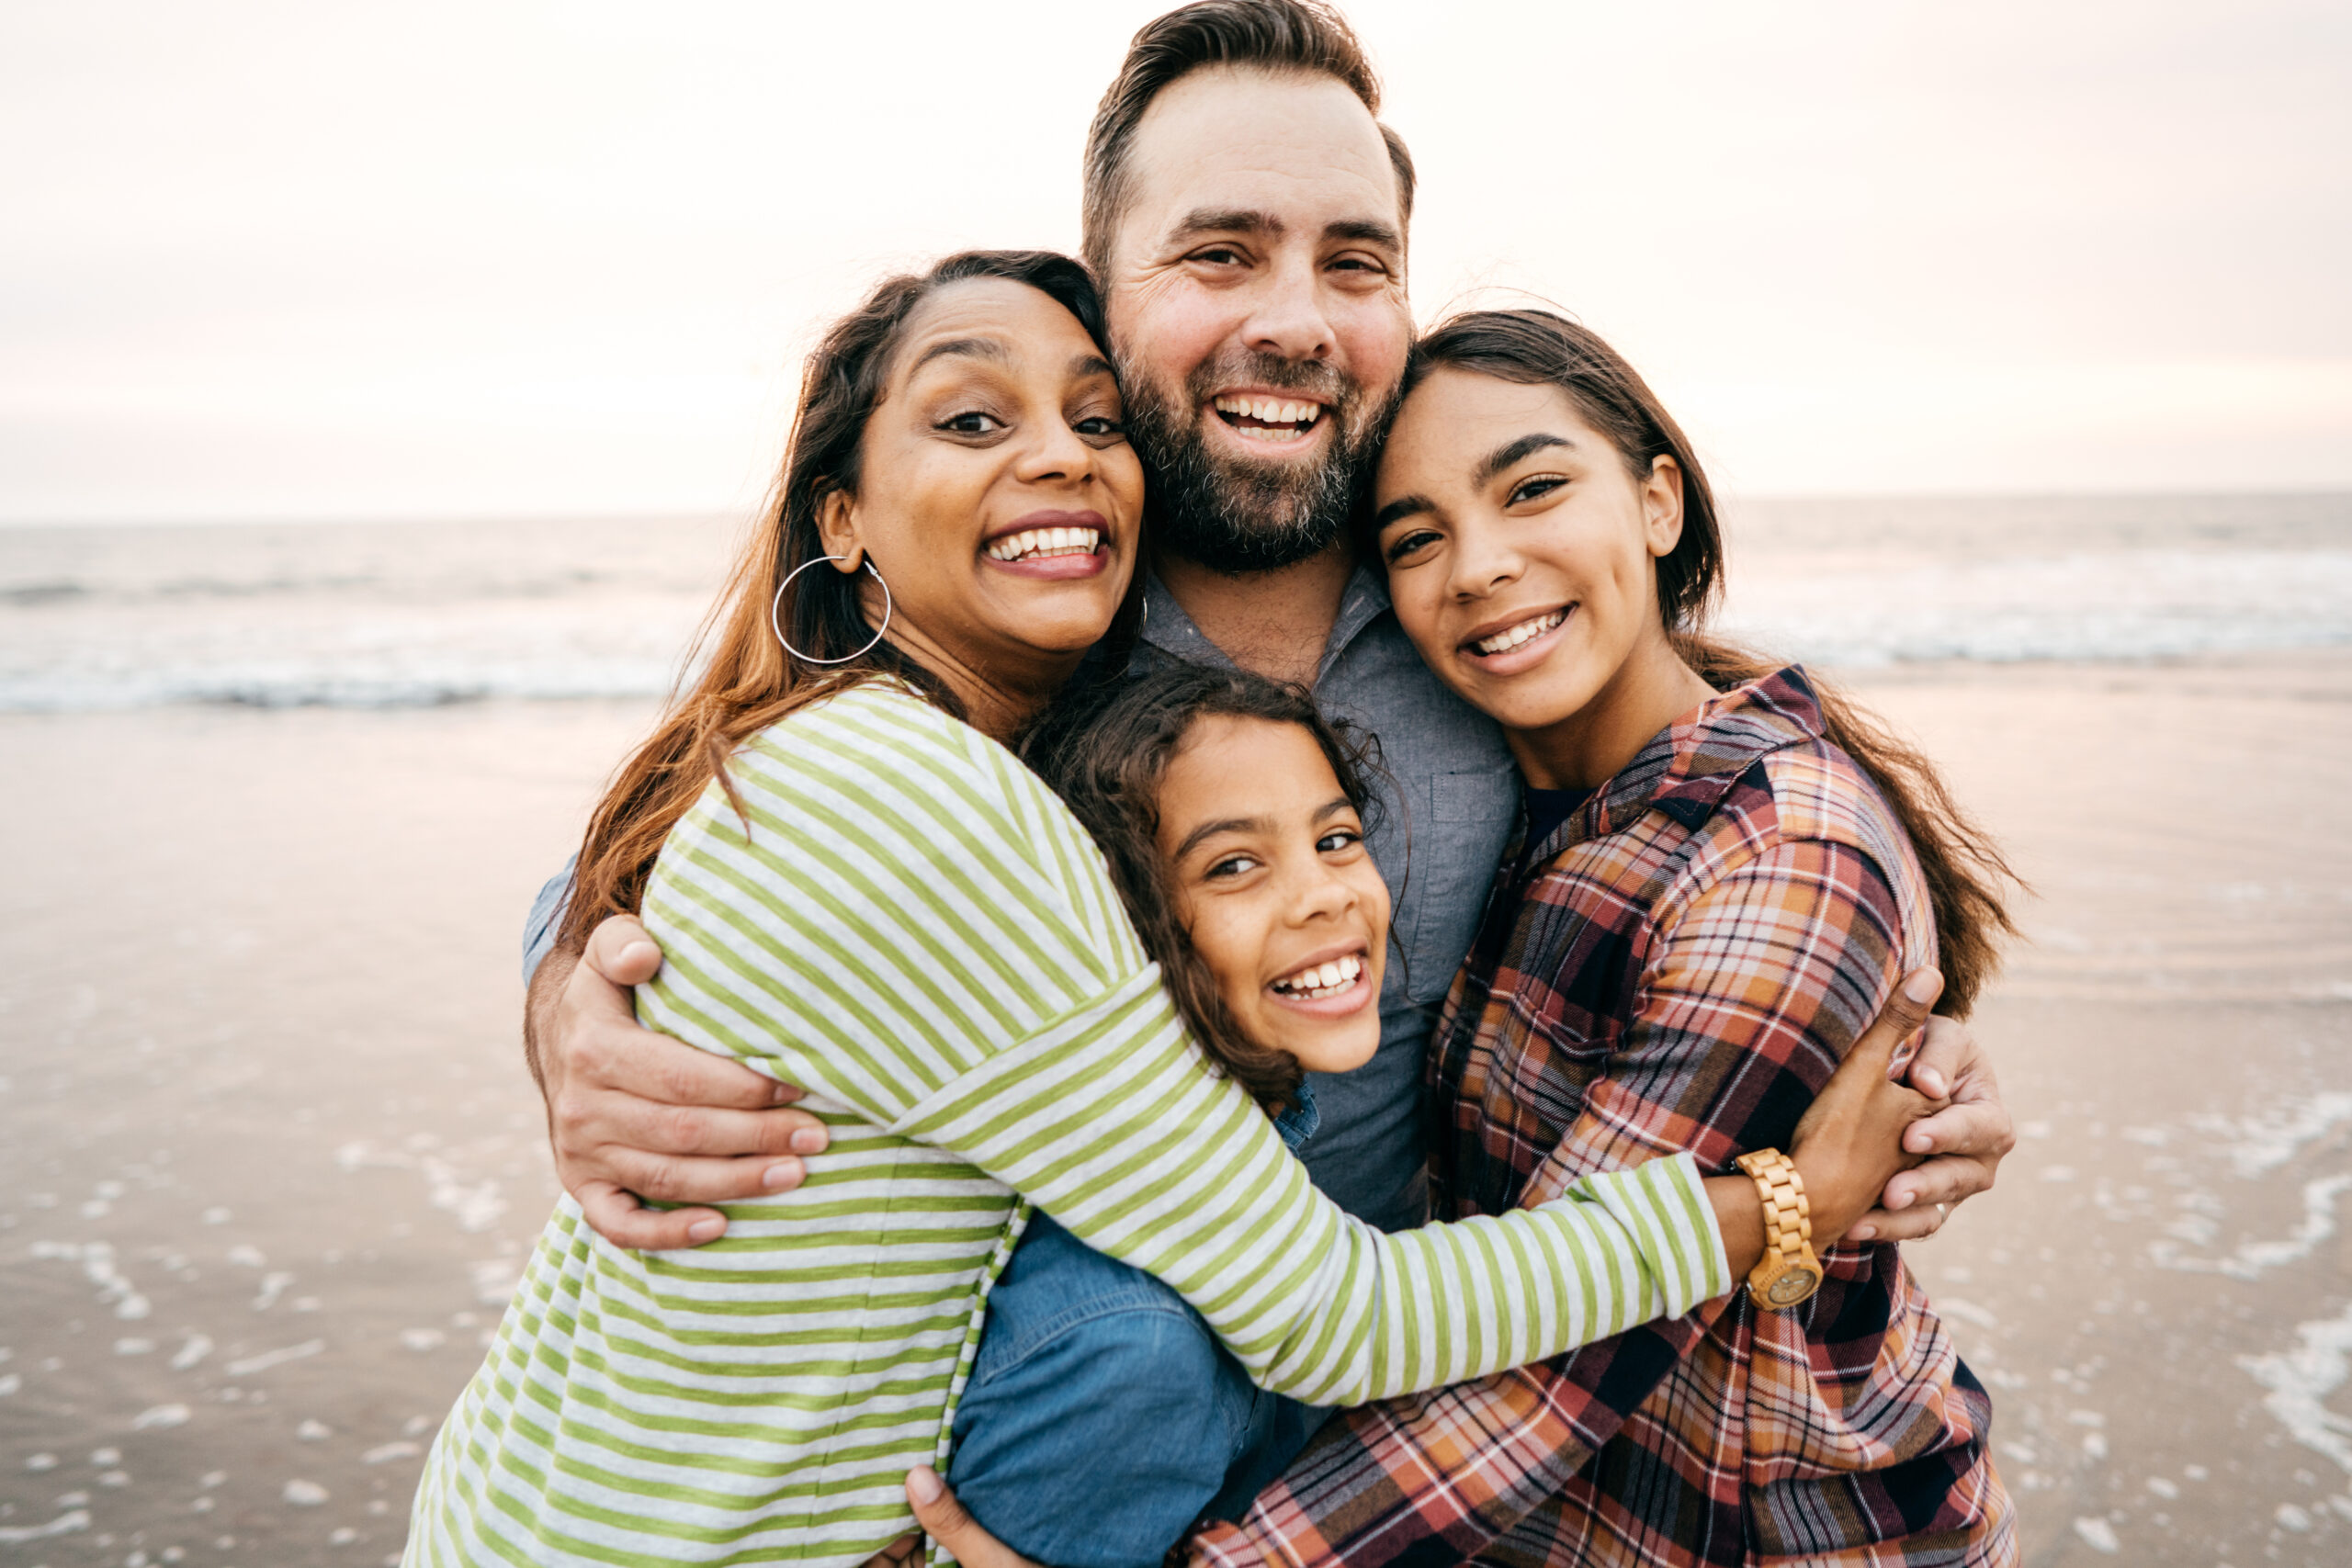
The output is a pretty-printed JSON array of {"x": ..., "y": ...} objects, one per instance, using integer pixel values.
[
  {"x": 1105, "y": 752},
  {"x": 1963, "y": 866},
  {"x": 748, "y": 682}
]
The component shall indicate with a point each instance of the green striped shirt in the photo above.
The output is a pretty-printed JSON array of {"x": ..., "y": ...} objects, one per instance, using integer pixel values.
[{"x": 916, "y": 930}]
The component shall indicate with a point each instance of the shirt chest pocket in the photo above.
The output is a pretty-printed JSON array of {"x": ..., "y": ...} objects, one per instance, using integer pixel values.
[{"x": 1455, "y": 845}]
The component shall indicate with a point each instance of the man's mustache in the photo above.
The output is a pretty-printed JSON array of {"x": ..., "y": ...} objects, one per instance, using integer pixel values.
[{"x": 1275, "y": 373}]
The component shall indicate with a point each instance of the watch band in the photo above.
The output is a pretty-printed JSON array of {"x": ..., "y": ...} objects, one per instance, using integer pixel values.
[
  {"x": 1788, "y": 1213},
  {"x": 1789, "y": 1272}
]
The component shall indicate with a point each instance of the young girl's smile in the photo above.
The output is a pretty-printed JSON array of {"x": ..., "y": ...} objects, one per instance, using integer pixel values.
[{"x": 1273, "y": 882}]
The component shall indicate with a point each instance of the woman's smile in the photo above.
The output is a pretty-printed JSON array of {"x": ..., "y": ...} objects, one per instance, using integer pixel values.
[{"x": 1050, "y": 544}]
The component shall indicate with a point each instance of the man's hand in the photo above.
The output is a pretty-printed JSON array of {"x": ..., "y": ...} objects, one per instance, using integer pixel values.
[
  {"x": 947, "y": 1522},
  {"x": 1965, "y": 1140},
  {"x": 634, "y": 1114}
]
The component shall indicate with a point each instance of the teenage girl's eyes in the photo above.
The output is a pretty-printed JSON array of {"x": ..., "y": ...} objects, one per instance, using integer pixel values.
[
  {"x": 1338, "y": 839},
  {"x": 1534, "y": 489},
  {"x": 1231, "y": 865},
  {"x": 972, "y": 423},
  {"x": 1416, "y": 539}
]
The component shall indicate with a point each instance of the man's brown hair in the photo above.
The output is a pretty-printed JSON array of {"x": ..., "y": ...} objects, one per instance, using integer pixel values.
[{"x": 1295, "y": 37}]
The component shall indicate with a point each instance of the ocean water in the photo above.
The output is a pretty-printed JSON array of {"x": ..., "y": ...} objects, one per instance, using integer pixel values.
[{"x": 390, "y": 616}]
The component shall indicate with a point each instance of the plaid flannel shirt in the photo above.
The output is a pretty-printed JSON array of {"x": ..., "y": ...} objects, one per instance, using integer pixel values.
[{"x": 1683, "y": 966}]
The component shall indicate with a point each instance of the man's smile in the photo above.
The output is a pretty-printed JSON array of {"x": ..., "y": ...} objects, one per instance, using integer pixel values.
[{"x": 1270, "y": 419}]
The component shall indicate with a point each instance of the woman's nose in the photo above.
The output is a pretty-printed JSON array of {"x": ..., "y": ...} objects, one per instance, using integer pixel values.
[{"x": 1057, "y": 452}]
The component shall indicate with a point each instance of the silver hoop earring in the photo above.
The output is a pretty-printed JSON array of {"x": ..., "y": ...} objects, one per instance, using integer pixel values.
[{"x": 775, "y": 613}]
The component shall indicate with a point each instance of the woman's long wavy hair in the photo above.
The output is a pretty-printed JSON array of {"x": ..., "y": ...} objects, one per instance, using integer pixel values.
[
  {"x": 1105, "y": 750},
  {"x": 1964, "y": 867},
  {"x": 747, "y": 680}
]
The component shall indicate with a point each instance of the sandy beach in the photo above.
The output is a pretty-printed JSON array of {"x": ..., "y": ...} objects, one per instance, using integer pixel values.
[{"x": 269, "y": 1155}]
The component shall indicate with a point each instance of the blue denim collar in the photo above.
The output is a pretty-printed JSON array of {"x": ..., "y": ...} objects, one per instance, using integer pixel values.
[{"x": 1298, "y": 1124}]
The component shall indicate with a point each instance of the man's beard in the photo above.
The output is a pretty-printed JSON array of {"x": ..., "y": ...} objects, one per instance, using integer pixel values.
[{"x": 1240, "y": 514}]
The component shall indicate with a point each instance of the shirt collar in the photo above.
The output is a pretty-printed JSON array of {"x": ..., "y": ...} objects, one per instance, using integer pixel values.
[
  {"x": 1688, "y": 767},
  {"x": 1169, "y": 628}
]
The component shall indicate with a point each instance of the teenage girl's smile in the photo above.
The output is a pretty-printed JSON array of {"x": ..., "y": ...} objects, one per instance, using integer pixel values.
[
  {"x": 1275, "y": 888},
  {"x": 1511, "y": 643}
]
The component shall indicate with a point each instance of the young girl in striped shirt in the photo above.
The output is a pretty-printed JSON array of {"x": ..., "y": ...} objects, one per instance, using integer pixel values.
[{"x": 859, "y": 889}]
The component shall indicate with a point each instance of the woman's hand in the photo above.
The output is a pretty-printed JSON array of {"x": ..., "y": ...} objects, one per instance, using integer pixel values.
[
  {"x": 1851, "y": 1141},
  {"x": 635, "y": 1115}
]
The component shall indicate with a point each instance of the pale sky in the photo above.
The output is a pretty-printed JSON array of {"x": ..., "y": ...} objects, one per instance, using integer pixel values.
[{"x": 305, "y": 261}]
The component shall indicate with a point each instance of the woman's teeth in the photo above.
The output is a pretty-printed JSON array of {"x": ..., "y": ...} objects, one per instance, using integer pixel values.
[
  {"x": 1322, "y": 979},
  {"x": 1277, "y": 418},
  {"x": 1036, "y": 544},
  {"x": 1526, "y": 631}
]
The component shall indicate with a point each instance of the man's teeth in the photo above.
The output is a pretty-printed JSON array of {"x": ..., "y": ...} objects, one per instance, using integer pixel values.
[
  {"x": 1322, "y": 979},
  {"x": 1272, "y": 411},
  {"x": 1036, "y": 544},
  {"x": 1526, "y": 631}
]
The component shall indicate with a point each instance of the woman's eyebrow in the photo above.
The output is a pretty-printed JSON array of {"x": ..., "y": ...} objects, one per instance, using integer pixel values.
[
  {"x": 1210, "y": 829},
  {"x": 1087, "y": 365},
  {"x": 969, "y": 347},
  {"x": 1510, "y": 452},
  {"x": 1333, "y": 809}
]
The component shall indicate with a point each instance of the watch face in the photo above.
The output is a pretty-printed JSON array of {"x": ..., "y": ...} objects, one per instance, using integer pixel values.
[{"x": 1792, "y": 1287}]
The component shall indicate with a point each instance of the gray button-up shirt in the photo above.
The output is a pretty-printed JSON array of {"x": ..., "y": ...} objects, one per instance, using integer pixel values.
[{"x": 1449, "y": 800}]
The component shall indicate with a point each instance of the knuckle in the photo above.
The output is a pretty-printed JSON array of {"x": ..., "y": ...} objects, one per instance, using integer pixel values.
[{"x": 658, "y": 1177}]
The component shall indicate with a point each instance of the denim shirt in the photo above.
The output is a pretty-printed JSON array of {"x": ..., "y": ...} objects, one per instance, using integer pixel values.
[
  {"x": 1103, "y": 1416},
  {"x": 1448, "y": 794}
]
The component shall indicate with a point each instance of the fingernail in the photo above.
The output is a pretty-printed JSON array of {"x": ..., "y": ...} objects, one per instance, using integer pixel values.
[
  {"x": 923, "y": 1484},
  {"x": 1930, "y": 1083},
  {"x": 1863, "y": 1233},
  {"x": 809, "y": 1141},
  {"x": 1897, "y": 1204},
  {"x": 705, "y": 1230},
  {"x": 783, "y": 1094},
  {"x": 1923, "y": 987},
  {"x": 1920, "y": 1142},
  {"x": 638, "y": 952},
  {"x": 780, "y": 1175}
]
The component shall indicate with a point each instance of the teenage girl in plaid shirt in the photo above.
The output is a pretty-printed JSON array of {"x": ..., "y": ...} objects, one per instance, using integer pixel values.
[{"x": 1724, "y": 869}]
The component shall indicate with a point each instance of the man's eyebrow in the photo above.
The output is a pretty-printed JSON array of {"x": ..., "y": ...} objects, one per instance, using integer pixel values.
[
  {"x": 1367, "y": 230},
  {"x": 1210, "y": 829},
  {"x": 1227, "y": 220},
  {"x": 971, "y": 347},
  {"x": 1510, "y": 452}
]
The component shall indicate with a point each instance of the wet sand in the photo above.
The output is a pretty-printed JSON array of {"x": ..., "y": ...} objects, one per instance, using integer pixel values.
[{"x": 268, "y": 1159}]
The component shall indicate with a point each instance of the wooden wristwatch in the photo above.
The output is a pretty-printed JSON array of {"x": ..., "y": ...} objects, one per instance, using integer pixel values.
[{"x": 1790, "y": 1272}]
